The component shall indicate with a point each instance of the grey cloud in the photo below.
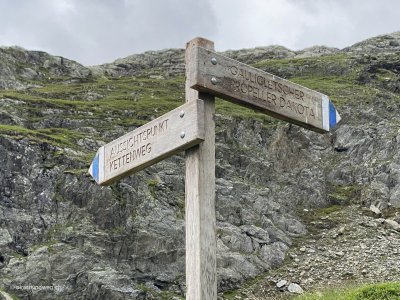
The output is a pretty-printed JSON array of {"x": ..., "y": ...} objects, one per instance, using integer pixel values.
[
  {"x": 99, "y": 31},
  {"x": 297, "y": 24}
]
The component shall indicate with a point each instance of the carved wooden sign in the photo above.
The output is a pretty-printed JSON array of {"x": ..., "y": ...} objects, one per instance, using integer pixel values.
[
  {"x": 191, "y": 127},
  {"x": 177, "y": 130},
  {"x": 254, "y": 88}
]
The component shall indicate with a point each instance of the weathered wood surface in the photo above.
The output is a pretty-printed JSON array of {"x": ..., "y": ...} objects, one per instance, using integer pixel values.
[
  {"x": 165, "y": 136},
  {"x": 254, "y": 88},
  {"x": 201, "y": 273}
]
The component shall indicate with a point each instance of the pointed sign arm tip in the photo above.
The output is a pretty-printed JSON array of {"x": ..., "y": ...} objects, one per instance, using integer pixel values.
[
  {"x": 334, "y": 116},
  {"x": 338, "y": 117},
  {"x": 94, "y": 168}
]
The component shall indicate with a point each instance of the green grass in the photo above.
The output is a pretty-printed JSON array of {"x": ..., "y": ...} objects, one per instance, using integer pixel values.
[
  {"x": 239, "y": 112},
  {"x": 344, "y": 194},
  {"x": 77, "y": 172},
  {"x": 56, "y": 136},
  {"x": 334, "y": 75},
  {"x": 125, "y": 102},
  {"x": 133, "y": 101},
  {"x": 9, "y": 294},
  {"x": 316, "y": 60},
  {"x": 152, "y": 185},
  {"x": 48, "y": 244},
  {"x": 379, "y": 291},
  {"x": 163, "y": 295},
  {"x": 336, "y": 64}
]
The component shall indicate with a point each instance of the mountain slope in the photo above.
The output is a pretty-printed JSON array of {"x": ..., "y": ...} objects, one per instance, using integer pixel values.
[
  {"x": 126, "y": 241},
  {"x": 20, "y": 68}
]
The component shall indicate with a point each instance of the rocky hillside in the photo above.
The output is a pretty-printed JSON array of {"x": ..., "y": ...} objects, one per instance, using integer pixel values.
[
  {"x": 21, "y": 69},
  {"x": 64, "y": 237}
]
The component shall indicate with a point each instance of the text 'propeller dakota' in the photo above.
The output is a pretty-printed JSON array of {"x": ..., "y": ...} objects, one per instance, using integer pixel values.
[{"x": 254, "y": 88}]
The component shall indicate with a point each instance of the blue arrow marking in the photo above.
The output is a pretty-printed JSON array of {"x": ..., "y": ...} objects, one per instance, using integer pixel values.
[
  {"x": 332, "y": 115},
  {"x": 95, "y": 167}
]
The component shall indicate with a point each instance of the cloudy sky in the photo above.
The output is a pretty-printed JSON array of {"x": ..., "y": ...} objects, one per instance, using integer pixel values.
[{"x": 99, "y": 31}]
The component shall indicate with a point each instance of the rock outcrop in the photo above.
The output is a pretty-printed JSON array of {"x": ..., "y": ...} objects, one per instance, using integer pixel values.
[{"x": 20, "y": 69}]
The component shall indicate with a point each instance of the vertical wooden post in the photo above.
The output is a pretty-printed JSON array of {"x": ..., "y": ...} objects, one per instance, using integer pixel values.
[{"x": 201, "y": 273}]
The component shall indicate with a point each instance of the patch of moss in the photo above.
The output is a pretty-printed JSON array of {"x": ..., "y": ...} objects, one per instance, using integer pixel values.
[
  {"x": 334, "y": 75},
  {"x": 180, "y": 204},
  {"x": 18, "y": 255},
  {"x": 49, "y": 245},
  {"x": 321, "y": 65},
  {"x": 118, "y": 230},
  {"x": 76, "y": 172},
  {"x": 60, "y": 137},
  {"x": 164, "y": 295},
  {"x": 381, "y": 291},
  {"x": 118, "y": 195},
  {"x": 152, "y": 184},
  {"x": 239, "y": 112},
  {"x": 234, "y": 294},
  {"x": 328, "y": 210},
  {"x": 9, "y": 294},
  {"x": 54, "y": 233},
  {"x": 344, "y": 194}
]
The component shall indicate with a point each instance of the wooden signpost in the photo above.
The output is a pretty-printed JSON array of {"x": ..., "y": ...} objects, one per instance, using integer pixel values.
[
  {"x": 201, "y": 243},
  {"x": 191, "y": 127}
]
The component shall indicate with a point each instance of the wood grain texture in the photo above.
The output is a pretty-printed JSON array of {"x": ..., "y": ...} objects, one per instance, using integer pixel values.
[
  {"x": 201, "y": 278},
  {"x": 163, "y": 137},
  {"x": 254, "y": 88}
]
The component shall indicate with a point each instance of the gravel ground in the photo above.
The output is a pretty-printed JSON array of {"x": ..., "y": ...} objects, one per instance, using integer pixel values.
[{"x": 347, "y": 245}]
